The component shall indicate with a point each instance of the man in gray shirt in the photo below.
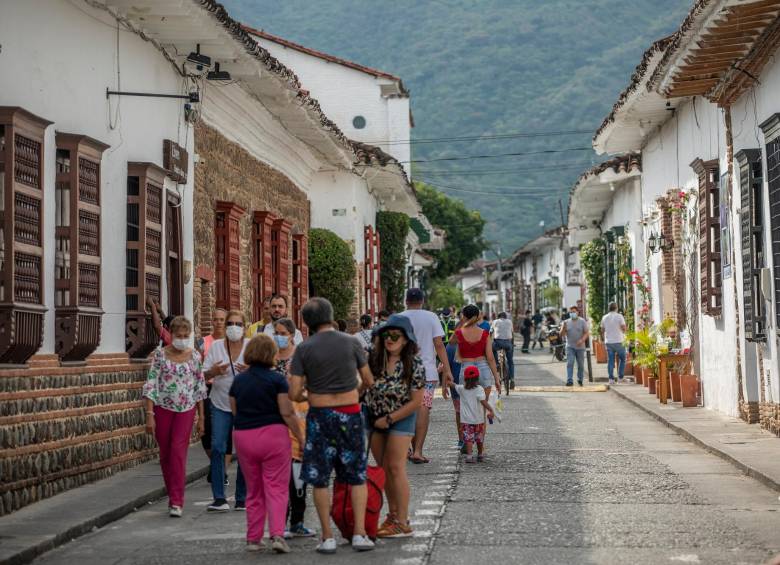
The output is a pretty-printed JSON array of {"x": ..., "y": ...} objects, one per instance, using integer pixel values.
[{"x": 576, "y": 332}]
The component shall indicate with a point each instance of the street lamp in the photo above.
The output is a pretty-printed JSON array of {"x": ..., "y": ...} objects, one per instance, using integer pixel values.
[{"x": 659, "y": 242}]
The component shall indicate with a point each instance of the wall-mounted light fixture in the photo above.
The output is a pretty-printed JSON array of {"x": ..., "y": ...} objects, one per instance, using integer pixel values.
[
  {"x": 198, "y": 59},
  {"x": 217, "y": 74},
  {"x": 659, "y": 242}
]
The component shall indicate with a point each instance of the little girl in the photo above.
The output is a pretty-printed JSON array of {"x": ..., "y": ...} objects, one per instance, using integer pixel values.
[{"x": 471, "y": 415}]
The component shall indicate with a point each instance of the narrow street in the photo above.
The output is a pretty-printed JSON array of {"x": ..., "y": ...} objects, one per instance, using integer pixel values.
[{"x": 571, "y": 477}]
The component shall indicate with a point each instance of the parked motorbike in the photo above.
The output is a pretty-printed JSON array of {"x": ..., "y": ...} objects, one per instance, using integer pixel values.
[{"x": 557, "y": 345}]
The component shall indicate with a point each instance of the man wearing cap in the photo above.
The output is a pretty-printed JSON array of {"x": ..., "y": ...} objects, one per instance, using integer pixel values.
[{"x": 429, "y": 334}]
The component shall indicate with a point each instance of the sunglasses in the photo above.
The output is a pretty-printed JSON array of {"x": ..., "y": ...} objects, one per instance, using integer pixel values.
[
  {"x": 239, "y": 324},
  {"x": 393, "y": 337}
]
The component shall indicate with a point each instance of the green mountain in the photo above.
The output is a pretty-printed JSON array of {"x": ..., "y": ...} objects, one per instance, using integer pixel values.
[{"x": 490, "y": 68}]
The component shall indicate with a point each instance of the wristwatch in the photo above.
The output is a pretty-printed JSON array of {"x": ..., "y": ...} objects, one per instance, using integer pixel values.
[{"x": 389, "y": 420}]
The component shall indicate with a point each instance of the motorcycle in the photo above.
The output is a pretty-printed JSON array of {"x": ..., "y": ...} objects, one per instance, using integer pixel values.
[{"x": 557, "y": 345}]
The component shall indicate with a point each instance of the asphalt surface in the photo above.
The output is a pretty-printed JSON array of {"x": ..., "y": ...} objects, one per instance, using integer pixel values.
[{"x": 569, "y": 478}]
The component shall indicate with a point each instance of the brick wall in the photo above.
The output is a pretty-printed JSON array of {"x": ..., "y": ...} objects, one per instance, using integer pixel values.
[
  {"x": 229, "y": 173},
  {"x": 62, "y": 427}
]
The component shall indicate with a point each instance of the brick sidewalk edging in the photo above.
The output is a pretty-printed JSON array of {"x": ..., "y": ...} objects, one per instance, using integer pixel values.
[{"x": 744, "y": 467}]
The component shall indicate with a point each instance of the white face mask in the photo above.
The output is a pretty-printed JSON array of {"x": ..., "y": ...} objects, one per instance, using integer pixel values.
[
  {"x": 234, "y": 333},
  {"x": 181, "y": 343}
]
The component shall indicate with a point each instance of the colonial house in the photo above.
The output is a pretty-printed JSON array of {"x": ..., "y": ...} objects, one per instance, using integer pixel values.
[
  {"x": 702, "y": 108},
  {"x": 478, "y": 284},
  {"x": 546, "y": 273}
]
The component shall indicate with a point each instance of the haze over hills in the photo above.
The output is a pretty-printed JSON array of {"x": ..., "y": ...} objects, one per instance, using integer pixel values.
[{"x": 489, "y": 68}]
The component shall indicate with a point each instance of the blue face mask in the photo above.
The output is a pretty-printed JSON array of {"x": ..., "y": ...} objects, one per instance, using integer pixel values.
[
  {"x": 282, "y": 341},
  {"x": 573, "y": 315}
]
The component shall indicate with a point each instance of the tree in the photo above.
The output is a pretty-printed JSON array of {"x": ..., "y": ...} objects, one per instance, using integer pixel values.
[
  {"x": 463, "y": 226},
  {"x": 444, "y": 295},
  {"x": 332, "y": 270}
]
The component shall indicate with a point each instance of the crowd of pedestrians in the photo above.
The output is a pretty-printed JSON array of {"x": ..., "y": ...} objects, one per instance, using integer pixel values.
[{"x": 290, "y": 413}]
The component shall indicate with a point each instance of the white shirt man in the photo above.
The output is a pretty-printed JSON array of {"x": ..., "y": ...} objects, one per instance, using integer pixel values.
[
  {"x": 502, "y": 328},
  {"x": 613, "y": 332}
]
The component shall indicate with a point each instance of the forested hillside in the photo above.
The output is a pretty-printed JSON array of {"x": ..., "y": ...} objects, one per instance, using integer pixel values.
[{"x": 489, "y": 68}]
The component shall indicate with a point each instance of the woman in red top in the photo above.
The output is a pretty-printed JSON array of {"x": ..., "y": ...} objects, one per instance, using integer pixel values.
[{"x": 475, "y": 347}]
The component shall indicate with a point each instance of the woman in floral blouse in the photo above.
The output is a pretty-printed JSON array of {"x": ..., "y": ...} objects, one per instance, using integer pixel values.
[
  {"x": 392, "y": 403},
  {"x": 174, "y": 389}
]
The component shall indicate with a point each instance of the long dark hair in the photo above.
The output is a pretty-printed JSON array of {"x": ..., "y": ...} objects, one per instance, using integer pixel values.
[{"x": 377, "y": 360}]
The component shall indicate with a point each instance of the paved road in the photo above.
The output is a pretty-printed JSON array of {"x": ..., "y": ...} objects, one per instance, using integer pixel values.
[{"x": 570, "y": 478}]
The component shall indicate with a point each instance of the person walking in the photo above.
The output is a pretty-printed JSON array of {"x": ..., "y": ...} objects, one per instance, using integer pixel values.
[
  {"x": 452, "y": 352},
  {"x": 503, "y": 339},
  {"x": 224, "y": 361},
  {"x": 285, "y": 330},
  {"x": 613, "y": 334},
  {"x": 472, "y": 395},
  {"x": 217, "y": 333},
  {"x": 325, "y": 366},
  {"x": 475, "y": 348},
  {"x": 364, "y": 334},
  {"x": 392, "y": 404},
  {"x": 537, "y": 320},
  {"x": 576, "y": 332},
  {"x": 262, "y": 416},
  {"x": 429, "y": 333},
  {"x": 173, "y": 392},
  {"x": 526, "y": 325}
]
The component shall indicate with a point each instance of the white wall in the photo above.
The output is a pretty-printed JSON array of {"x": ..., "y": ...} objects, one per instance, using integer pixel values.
[
  {"x": 344, "y": 93},
  {"x": 57, "y": 63}
]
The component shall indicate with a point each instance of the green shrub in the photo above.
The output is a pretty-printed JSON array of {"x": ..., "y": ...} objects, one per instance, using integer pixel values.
[
  {"x": 393, "y": 227},
  {"x": 331, "y": 270}
]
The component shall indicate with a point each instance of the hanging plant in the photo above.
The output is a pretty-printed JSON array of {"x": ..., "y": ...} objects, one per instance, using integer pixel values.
[{"x": 393, "y": 227}]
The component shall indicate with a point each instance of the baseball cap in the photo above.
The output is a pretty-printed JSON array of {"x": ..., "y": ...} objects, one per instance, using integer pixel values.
[
  {"x": 415, "y": 296},
  {"x": 471, "y": 372}
]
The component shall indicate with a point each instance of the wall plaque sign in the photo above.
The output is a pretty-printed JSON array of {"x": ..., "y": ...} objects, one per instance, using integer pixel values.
[{"x": 175, "y": 161}]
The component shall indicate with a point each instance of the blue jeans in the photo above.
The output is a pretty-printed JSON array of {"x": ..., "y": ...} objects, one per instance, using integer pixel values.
[
  {"x": 509, "y": 349},
  {"x": 612, "y": 350},
  {"x": 221, "y": 428},
  {"x": 571, "y": 355}
]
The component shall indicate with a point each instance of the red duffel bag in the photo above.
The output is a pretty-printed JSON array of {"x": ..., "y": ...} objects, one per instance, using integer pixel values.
[{"x": 341, "y": 512}]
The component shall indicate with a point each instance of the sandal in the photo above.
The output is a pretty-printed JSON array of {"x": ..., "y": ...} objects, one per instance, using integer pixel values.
[{"x": 419, "y": 460}]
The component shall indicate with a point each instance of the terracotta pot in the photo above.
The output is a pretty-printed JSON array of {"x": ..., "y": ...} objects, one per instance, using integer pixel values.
[
  {"x": 674, "y": 377},
  {"x": 629, "y": 368},
  {"x": 646, "y": 376},
  {"x": 638, "y": 375},
  {"x": 689, "y": 390},
  {"x": 652, "y": 385},
  {"x": 601, "y": 352}
]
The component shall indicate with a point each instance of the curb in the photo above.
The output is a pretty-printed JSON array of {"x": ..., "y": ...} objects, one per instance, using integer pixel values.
[
  {"x": 747, "y": 469},
  {"x": 88, "y": 525}
]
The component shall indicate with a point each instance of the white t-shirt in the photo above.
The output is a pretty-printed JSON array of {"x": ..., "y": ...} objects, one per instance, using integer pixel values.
[
  {"x": 221, "y": 387},
  {"x": 502, "y": 329},
  {"x": 426, "y": 327},
  {"x": 297, "y": 338},
  {"x": 471, "y": 411},
  {"x": 611, "y": 323}
]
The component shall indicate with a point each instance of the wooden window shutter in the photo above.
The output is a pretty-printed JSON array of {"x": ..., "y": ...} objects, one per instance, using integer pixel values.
[
  {"x": 227, "y": 231},
  {"x": 378, "y": 302},
  {"x": 369, "y": 289},
  {"x": 300, "y": 262},
  {"x": 771, "y": 129},
  {"x": 262, "y": 282},
  {"x": 709, "y": 236},
  {"x": 21, "y": 233},
  {"x": 282, "y": 229},
  {"x": 77, "y": 235},
  {"x": 143, "y": 271},
  {"x": 173, "y": 246},
  {"x": 751, "y": 222}
]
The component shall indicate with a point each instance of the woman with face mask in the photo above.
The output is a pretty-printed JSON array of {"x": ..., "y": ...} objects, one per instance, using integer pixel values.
[
  {"x": 224, "y": 361},
  {"x": 284, "y": 334},
  {"x": 174, "y": 390}
]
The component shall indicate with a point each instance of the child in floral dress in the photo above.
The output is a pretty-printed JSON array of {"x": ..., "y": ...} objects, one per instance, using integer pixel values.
[{"x": 471, "y": 416}]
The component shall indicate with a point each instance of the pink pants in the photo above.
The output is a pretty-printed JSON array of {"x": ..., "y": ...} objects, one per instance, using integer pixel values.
[
  {"x": 265, "y": 460},
  {"x": 172, "y": 431}
]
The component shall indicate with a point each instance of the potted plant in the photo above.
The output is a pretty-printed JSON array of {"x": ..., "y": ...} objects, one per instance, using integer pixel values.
[{"x": 646, "y": 355}]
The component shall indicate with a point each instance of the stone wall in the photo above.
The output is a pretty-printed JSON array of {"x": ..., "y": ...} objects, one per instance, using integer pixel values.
[
  {"x": 227, "y": 172},
  {"x": 66, "y": 426}
]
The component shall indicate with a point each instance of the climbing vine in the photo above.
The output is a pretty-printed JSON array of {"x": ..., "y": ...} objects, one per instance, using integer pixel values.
[
  {"x": 331, "y": 270},
  {"x": 592, "y": 258},
  {"x": 393, "y": 227}
]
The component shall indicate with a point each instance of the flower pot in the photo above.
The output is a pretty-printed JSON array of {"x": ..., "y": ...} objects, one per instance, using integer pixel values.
[
  {"x": 689, "y": 390},
  {"x": 674, "y": 378},
  {"x": 652, "y": 385},
  {"x": 601, "y": 352},
  {"x": 646, "y": 376},
  {"x": 629, "y": 368},
  {"x": 638, "y": 375}
]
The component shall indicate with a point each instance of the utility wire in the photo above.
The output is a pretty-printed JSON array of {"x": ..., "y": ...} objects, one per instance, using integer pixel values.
[
  {"x": 517, "y": 154},
  {"x": 481, "y": 137},
  {"x": 480, "y": 172}
]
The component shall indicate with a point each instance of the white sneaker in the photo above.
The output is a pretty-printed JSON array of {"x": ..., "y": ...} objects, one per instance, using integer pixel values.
[
  {"x": 175, "y": 511},
  {"x": 278, "y": 545},
  {"x": 327, "y": 546},
  {"x": 362, "y": 543},
  {"x": 254, "y": 546}
]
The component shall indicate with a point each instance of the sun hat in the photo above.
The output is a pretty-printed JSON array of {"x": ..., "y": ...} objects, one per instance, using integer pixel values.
[
  {"x": 397, "y": 322},
  {"x": 471, "y": 372}
]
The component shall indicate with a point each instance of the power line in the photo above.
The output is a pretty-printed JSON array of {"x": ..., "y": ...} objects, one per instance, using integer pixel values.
[
  {"x": 517, "y": 154},
  {"x": 535, "y": 192},
  {"x": 482, "y": 137},
  {"x": 472, "y": 172}
]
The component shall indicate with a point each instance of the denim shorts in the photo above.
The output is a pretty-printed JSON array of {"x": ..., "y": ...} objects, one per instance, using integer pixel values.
[
  {"x": 403, "y": 427},
  {"x": 334, "y": 440},
  {"x": 485, "y": 375}
]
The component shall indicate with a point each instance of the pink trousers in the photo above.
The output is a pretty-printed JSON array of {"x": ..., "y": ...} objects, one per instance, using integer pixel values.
[
  {"x": 172, "y": 431},
  {"x": 265, "y": 460}
]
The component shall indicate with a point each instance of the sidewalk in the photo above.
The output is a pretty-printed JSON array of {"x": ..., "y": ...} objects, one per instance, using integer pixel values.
[
  {"x": 752, "y": 450},
  {"x": 42, "y": 526}
]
